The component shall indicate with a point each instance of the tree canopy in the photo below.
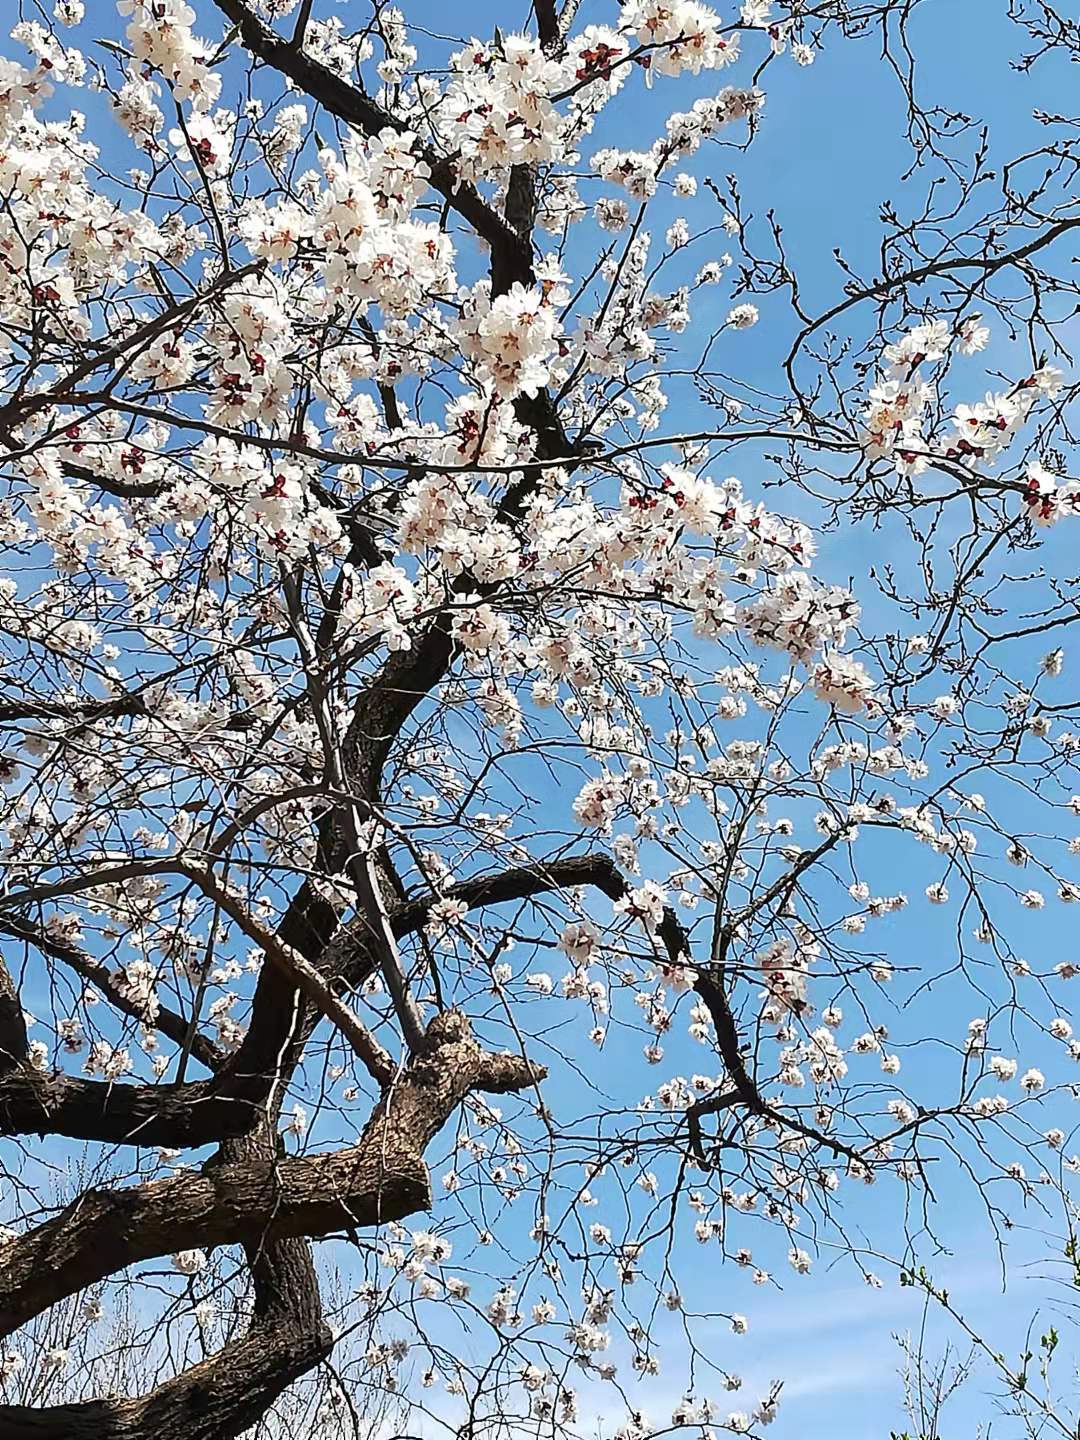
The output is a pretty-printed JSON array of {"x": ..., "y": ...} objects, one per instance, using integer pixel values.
[{"x": 506, "y": 798}]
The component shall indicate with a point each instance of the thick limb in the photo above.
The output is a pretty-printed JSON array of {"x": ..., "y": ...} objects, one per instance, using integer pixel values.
[{"x": 254, "y": 1199}]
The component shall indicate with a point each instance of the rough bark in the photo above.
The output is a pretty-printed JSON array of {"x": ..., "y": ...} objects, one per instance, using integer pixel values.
[
  {"x": 221, "y": 1397},
  {"x": 254, "y": 1199},
  {"x": 13, "y": 1041},
  {"x": 224, "y": 1395}
]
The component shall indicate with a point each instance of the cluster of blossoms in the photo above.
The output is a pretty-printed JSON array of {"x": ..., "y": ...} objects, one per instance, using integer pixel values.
[
  {"x": 498, "y": 107},
  {"x": 684, "y": 34},
  {"x": 356, "y": 233},
  {"x": 511, "y": 338},
  {"x": 1047, "y": 498},
  {"x": 159, "y": 33},
  {"x": 500, "y": 110},
  {"x": 897, "y": 417},
  {"x": 638, "y": 171}
]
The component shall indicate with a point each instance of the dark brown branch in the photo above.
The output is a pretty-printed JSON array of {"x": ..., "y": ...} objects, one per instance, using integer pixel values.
[
  {"x": 601, "y": 872},
  {"x": 547, "y": 23},
  {"x": 223, "y": 1396},
  {"x": 168, "y": 1022},
  {"x": 712, "y": 1105},
  {"x": 64, "y": 710},
  {"x": 290, "y": 960},
  {"x": 518, "y": 883},
  {"x": 14, "y": 1045},
  {"x": 123, "y": 490},
  {"x": 192, "y": 1114},
  {"x": 383, "y": 1177},
  {"x": 300, "y": 28},
  {"x": 520, "y": 205}
]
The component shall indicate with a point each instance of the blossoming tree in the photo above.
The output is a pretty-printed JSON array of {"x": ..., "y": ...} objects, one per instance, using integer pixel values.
[{"x": 446, "y": 817}]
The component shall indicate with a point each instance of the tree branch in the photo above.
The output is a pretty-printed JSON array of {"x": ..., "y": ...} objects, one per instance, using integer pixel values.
[
  {"x": 511, "y": 256},
  {"x": 168, "y": 1022},
  {"x": 303, "y": 975},
  {"x": 601, "y": 872},
  {"x": 223, "y": 1396},
  {"x": 14, "y": 1046},
  {"x": 517, "y": 883},
  {"x": 547, "y": 23},
  {"x": 383, "y": 1177}
]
